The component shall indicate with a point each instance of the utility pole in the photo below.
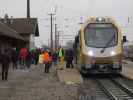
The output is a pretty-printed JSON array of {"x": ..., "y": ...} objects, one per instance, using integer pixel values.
[
  {"x": 55, "y": 36},
  {"x": 28, "y": 8},
  {"x": 51, "y": 33},
  {"x": 58, "y": 35}
]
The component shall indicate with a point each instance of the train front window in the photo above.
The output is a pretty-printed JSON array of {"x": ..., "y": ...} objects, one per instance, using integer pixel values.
[{"x": 98, "y": 35}]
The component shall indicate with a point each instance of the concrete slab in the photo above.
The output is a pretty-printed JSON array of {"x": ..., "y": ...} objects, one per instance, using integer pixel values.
[
  {"x": 69, "y": 76},
  {"x": 127, "y": 70}
]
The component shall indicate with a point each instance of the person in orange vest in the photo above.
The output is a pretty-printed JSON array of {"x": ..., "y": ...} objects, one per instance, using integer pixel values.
[{"x": 46, "y": 61}]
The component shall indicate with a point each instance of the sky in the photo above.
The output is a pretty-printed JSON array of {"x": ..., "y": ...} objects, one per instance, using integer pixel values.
[{"x": 69, "y": 13}]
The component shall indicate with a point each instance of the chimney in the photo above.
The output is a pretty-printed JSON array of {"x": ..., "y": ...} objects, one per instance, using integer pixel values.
[{"x": 28, "y": 8}]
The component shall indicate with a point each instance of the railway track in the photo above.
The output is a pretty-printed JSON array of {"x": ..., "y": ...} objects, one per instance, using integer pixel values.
[
  {"x": 127, "y": 82},
  {"x": 114, "y": 89},
  {"x": 106, "y": 89},
  {"x": 89, "y": 90}
]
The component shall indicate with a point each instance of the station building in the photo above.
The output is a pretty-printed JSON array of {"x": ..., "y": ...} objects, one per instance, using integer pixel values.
[{"x": 18, "y": 32}]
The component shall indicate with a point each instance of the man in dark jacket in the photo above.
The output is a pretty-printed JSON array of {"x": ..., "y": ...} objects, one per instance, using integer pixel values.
[
  {"x": 5, "y": 64},
  {"x": 36, "y": 55},
  {"x": 29, "y": 59},
  {"x": 14, "y": 58},
  {"x": 54, "y": 58},
  {"x": 69, "y": 58}
]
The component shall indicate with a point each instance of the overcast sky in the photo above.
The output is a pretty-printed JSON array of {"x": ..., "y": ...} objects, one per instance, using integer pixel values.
[{"x": 69, "y": 12}]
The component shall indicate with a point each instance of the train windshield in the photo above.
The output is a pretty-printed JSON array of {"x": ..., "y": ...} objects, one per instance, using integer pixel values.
[{"x": 100, "y": 34}]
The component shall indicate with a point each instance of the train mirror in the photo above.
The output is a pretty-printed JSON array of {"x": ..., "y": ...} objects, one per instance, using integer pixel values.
[{"x": 124, "y": 39}]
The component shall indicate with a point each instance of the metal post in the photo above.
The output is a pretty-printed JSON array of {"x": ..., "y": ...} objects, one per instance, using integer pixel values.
[
  {"x": 28, "y": 8},
  {"x": 51, "y": 35},
  {"x": 51, "y": 29},
  {"x": 55, "y": 36},
  {"x": 58, "y": 39}
]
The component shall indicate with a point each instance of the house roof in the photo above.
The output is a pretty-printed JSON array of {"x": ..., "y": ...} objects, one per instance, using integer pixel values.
[
  {"x": 24, "y": 25},
  {"x": 7, "y": 31}
]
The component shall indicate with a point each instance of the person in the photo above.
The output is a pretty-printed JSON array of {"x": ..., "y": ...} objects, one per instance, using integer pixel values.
[
  {"x": 50, "y": 58},
  {"x": 55, "y": 56},
  {"x": 69, "y": 58},
  {"x": 32, "y": 56},
  {"x": 23, "y": 54},
  {"x": 28, "y": 59},
  {"x": 41, "y": 58},
  {"x": 14, "y": 58},
  {"x": 5, "y": 63},
  {"x": 61, "y": 58},
  {"x": 46, "y": 61},
  {"x": 36, "y": 53}
]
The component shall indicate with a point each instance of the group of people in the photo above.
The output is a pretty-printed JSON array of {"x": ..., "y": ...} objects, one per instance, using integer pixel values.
[
  {"x": 66, "y": 56},
  {"x": 24, "y": 57},
  {"x": 45, "y": 58},
  {"x": 60, "y": 56}
]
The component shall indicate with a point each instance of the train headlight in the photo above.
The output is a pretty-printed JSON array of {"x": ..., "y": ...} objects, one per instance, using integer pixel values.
[
  {"x": 112, "y": 53},
  {"x": 100, "y": 19},
  {"x": 90, "y": 53}
]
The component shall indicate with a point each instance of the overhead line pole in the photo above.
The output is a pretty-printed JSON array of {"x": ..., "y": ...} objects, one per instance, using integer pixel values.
[
  {"x": 51, "y": 33},
  {"x": 28, "y": 8},
  {"x": 55, "y": 36},
  {"x": 58, "y": 35}
]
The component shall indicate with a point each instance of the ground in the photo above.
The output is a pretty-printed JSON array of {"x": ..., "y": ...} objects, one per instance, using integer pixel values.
[{"x": 34, "y": 84}]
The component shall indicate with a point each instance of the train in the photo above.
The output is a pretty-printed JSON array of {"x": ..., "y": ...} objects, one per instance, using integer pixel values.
[{"x": 98, "y": 46}]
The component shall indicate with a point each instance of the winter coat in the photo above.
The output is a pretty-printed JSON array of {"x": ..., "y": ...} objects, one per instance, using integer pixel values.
[
  {"x": 5, "y": 58},
  {"x": 23, "y": 53},
  {"x": 69, "y": 55}
]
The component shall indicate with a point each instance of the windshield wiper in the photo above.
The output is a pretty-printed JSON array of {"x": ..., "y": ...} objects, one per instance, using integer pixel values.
[{"x": 110, "y": 40}]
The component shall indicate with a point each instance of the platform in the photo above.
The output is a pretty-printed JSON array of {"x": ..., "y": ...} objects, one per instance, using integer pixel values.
[
  {"x": 127, "y": 70},
  {"x": 69, "y": 76}
]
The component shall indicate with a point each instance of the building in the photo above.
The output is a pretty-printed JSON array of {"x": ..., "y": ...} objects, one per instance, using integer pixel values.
[
  {"x": 18, "y": 32},
  {"x": 9, "y": 38},
  {"x": 25, "y": 27}
]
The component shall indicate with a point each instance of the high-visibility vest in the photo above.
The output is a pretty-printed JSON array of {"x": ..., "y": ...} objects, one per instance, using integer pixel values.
[
  {"x": 46, "y": 57},
  {"x": 61, "y": 53},
  {"x": 41, "y": 59}
]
